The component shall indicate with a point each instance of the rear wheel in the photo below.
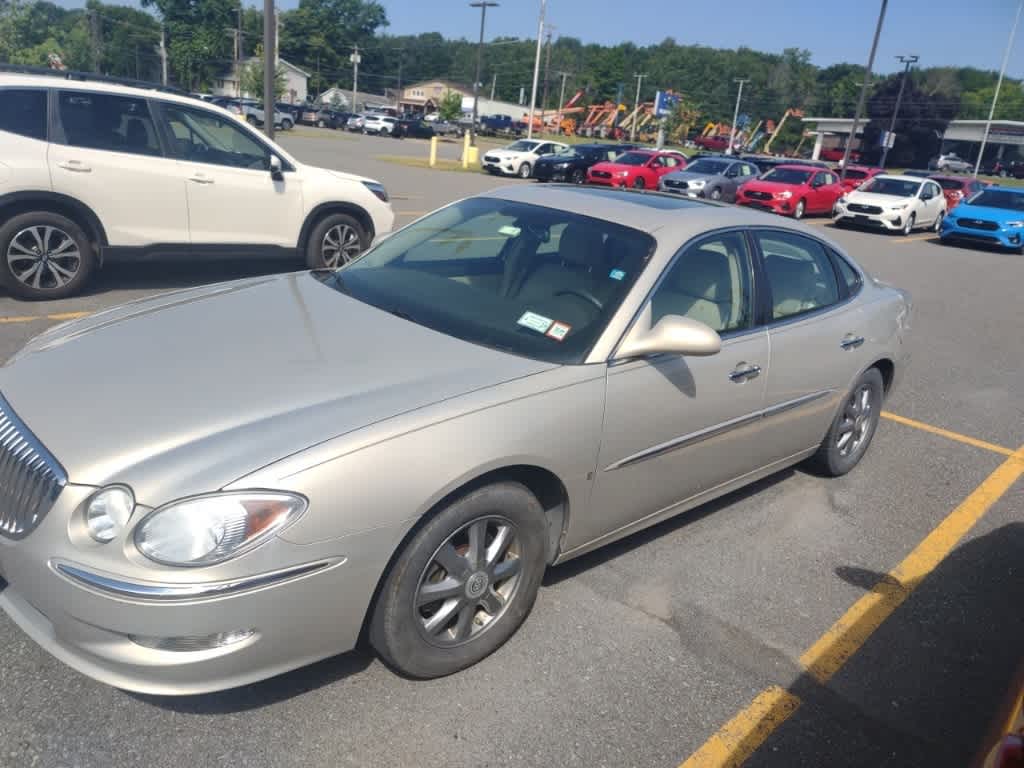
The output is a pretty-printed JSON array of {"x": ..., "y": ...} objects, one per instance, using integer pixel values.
[
  {"x": 286, "y": 125},
  {"x": 464, "y": 584},
  {"x": 578, "y": 176},
  {"x": 321, "y": 124},
  {"x": 850, "y": 434},
  {"x": 335, "y": 241},
  {"x": 44, "y": 256},
  {"x": 525, "y": 171},
  {"x": 251, "y": 120}
]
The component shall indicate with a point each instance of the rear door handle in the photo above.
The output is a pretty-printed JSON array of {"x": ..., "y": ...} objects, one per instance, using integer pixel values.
[
  {"x": 200, "y": 178},
  {"x": 744, "y": 371},
  {"x": 850, "y": 341},
  {"x": 75, "y": 166}
]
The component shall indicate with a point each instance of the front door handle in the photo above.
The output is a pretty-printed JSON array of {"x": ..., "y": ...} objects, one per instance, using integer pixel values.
[
  {"x": 744, "y": 371},
  {"x": 75, "y": 166},
  {"x": 200, "y": 178},
  {"x": 851, "y": 342}
]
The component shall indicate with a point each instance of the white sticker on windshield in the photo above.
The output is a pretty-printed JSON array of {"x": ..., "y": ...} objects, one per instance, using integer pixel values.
[
  {"x": 535, "y": 322},
  {"x": 509, "y": 230}
]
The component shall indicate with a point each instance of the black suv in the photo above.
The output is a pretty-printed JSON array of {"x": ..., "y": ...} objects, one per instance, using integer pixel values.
[{"x": 574, "y": 164}]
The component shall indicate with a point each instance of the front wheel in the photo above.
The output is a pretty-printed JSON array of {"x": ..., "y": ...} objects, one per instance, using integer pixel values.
[
  {"x": 851, "y": 432},
  {"x": 44, "y": 256},
  {"x": 525, "y": 171},
  {"x": 909, "y": 226},
  {"x": 335, "y": 241},
  {"x": 464, "y": 584},
  {"x": 639, "y": 183},
  {"x": 937, "y": 226},
  {"x": 252, "y": 120},
  {"x": 716, "y": 194},
  {"x": 286, "y": 125},
  {"x": 321, "y": 124},
  {"x": 801, "y": 208}
]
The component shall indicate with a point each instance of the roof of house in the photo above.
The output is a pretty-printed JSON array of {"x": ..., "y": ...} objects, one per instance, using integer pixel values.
[{"x": 450, "y": 85}]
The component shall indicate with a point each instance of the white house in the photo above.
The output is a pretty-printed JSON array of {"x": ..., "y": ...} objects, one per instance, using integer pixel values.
[{"x": 296, "y": 82}]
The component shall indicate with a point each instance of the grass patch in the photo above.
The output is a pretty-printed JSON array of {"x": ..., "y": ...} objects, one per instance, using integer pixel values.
[
  {"x": 308, "y": 132},
  {"x": 422, "y": 162}
]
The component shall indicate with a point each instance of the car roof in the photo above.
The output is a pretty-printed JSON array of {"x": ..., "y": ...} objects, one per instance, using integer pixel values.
[
  {"x": 798, "y": 167},
  {"x": 900, "y": 177},
  {"x": 95, "y": 86}
]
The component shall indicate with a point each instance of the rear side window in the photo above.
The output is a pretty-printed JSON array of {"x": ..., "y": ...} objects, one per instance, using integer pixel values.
[
  {"x": 799, "y": 272},
  {"x": 847, "y": 274},
  {"x": 105, "y": 121},
  {"x": 23, "y": 111}
]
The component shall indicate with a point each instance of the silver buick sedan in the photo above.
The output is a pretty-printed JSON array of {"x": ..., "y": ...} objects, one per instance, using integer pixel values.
[{"x": 253, "y": 475}]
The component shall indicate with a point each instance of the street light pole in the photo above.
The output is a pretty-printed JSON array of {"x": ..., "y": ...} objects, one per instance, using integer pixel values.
[
  {"x": 907, "y": 60},
  {"x": 999, "y": 84},
  {"x": 355, "y": 58},
  {"x": 483, "y": 5},
  {"x": 269, "y": 68},
  {"x": 736, "y": 113},
  {"x": 636, "y": 106},
  {"x": 536, "y": 67},
  {"x": 561, "y": 100},
  {"x": 864, "y": 90}
]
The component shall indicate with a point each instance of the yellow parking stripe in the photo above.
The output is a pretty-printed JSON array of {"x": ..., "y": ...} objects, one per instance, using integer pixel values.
[
  {"x": 738, "y": 739},
  {"x": 916, "y": 238},
  {"x": 60, "y": 317},
  {"x": 946, "y": 433}
]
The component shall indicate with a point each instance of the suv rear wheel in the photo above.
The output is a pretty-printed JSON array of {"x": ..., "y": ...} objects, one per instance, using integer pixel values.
[
  {"x": 335, "y": 241},
  {"x": 44, "y": 255}
]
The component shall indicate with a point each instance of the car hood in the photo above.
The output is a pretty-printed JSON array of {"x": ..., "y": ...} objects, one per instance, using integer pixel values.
[
  {"x": 967, "y": 211},
  {"x": 771, "y": 186},
  {"x": 869, "y": 198},
  {"x": 613, "y": 167},
  {"x": 505, "y": 154},
  {"x": 328, "y": 175},
  {"x": 185, "y": 392}
]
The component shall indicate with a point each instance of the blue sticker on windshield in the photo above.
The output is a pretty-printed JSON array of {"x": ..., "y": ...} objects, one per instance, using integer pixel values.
[{"x": 616, "y": 274}]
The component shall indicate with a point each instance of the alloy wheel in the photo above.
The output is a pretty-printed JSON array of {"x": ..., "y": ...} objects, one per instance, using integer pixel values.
[
  {"x": 469, "y": 582},
  {"x": 43, "y": 257},
  {"x": 341, "y": 244},
  {"x": 855, "y": 426},
  {"x": 799, "y": 212},
  {"x": 909, "y": 226}
]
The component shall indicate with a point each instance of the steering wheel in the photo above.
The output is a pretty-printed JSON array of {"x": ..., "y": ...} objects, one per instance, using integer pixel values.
[{"x": 583, "y": 294}]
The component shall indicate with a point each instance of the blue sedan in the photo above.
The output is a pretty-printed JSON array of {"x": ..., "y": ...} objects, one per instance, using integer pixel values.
[{"x": 994, "y": 216}]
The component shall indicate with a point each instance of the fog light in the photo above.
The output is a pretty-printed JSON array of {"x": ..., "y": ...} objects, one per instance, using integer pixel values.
[
  {"x": 1015, "y": 239},
  {"x": 108, "y": 512},
  {"x": 192, "y": 643}
]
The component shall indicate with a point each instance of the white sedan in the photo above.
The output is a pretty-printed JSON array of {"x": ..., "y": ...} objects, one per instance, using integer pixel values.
[
  {"x": 893, "y": 203},
  {"x": 519, "y": 157}
]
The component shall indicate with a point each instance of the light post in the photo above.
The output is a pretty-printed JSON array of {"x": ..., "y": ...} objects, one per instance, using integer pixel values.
[
  {"x": 864, "y": 91},
  {"x": 907, "y": 60},
  {"x": 536, "y": 67},
  {"x": 483, "y": 5},
  {"x": 736, "y": 113},
  {"x": 636, "y": 106},
  {"x": 999, "y": 84}
]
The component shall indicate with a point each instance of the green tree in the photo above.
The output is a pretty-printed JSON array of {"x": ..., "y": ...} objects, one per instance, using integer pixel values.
[
  {"x": 199, "y": 46},
  {"x": 450, "y": 106},
  {"x": 252, "y": 78},
  {"x": 328, "y": 29}
]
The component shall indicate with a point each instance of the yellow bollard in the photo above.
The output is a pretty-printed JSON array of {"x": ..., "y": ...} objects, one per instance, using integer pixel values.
[
  {"x": 433, "y": 151},
  {"x": 465, "y": 150},
  {"x": 474, "y": 157}
]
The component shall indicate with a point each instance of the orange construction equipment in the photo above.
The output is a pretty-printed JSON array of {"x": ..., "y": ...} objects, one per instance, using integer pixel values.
[{"x": 792, "y": 112}]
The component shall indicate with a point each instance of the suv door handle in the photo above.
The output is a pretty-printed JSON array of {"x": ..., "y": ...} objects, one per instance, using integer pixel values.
[
  {"x": 743, "y": 371},
  {"x": 75, "y": 166},
  {"x": 850, "y": 341},
  {"x": 200, "y": 178}
]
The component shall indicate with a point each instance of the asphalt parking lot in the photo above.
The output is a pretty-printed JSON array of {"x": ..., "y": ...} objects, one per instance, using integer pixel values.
[{"x": 873, "y": 620}]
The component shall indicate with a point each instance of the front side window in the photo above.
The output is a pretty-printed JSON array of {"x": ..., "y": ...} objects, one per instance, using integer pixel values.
[
  {"x": 999, "y": 198},
  {"x": 108, "y": 122},
  {"x": 23, "y": 111},
  {"x": 537, "y": 282},
  {"x": 633, "y": 158},
  {"x": 799, "y": 272},
  {"x": 204, "y": 137},
  {"x": 522, "y": 146},
  {"x": 706, "y": 167},
  {"x": 710, "y": 282},
  {"x": 820, "y": 179}
]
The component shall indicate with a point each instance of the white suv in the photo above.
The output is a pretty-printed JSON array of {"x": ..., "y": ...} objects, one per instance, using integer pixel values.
[
  {"x": 382, "y": 125},
  {"x": 93, "y": 172}
]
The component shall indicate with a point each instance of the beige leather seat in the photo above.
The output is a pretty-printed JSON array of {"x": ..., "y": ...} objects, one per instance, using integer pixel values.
[
  {"x": 699, "y": 288},
  {"x": 794, "y": 285},
  {"x": 582, "y": 265}
]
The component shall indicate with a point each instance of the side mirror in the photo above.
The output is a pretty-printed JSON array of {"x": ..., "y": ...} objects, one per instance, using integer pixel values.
[
  {"x": 275, "y": 168},
  {"x": 673, "y": 334}
]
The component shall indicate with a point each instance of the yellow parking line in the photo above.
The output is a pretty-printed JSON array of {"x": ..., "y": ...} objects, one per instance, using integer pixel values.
[
  {"x": 946, "y": 433},
  {"x": 738, "y": 739},
  {"x": 917, "y": 238},
  {"x": 60, "y": 316}
]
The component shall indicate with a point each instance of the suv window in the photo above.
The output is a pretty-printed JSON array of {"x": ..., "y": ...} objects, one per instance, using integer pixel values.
[
  {"x": 23, "y": 111},
  {"x": 709, "y": 282},
  {"x": 108, "y": 122},
  {"x": 799, "y": 273},
  {"x": 205, "y": 137}
]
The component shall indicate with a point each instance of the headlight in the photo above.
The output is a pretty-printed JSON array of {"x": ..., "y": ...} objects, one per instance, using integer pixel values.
[
  {"x": 698, "y": 183},
  {"x": 898, "y": 207},
  {"x": 621, "y": 174},
  {"x": 210, "y": 529},
  {"x": 561, "y": 166},
  {"x": 107, "y": 512},
  {"x": 377, "y": 189},
  {"x": 1014, "y": 224},
  {"x": 841, "y": 201},
  {"x": 784, "y": 195}
]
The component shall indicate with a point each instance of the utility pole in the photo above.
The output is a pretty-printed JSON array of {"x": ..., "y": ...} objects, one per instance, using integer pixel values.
[
  {"x": 319, "y": 85},
  {"x": 907, "y": 60},
  {"x": 96, "y": 40},
  {"x": 736, "y": 113},
  {"x": 999, "y": 84},
  {"x": 536, "y": 67},
  {"x": 864, "y": 91},
  {"x": 561, "y": 98},
  {"x": 136, "y": 60},
  {"x": 238, "y": 54},
  {"x": 355, "y": 58},
  {"x": 483, "y": 5},
  {"x": 269, "y": 68},
  {"x": 163, "y": 54},
  {"x": 494, "y": 85},
  {"x": 636, "y": 106},
  {"x": 547, "y": 68},
  {"x": 401, "y": 61}
]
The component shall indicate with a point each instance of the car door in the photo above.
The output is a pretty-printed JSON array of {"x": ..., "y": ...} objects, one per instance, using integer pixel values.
[
  {"x": 232, "y": 197},
  {"x": 816, "y": 335},
  {"x": 107, "y": 153},
  {"x": 933, "y": 202},
  {"x": 817, "y": 194},
  {"x": 677, "y": 426}
]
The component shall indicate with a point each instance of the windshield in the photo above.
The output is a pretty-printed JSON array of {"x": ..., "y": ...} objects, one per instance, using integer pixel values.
[
  {"x": 633, "y": 158},
  {"x": 856, "y": 175},
  {"x": 536, "y": 282},
  {"x": 999, "y": 198},
  {"x": 894, "y": 187},
  {"x": 950, "y": 184},
  {"x": 787, "y": 176},
  {"x": 708, "y": 167},
  {"x": 522, "y": 146}
]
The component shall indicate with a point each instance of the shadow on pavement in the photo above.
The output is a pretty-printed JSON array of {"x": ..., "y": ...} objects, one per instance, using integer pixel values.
[
  {"x": 923, "y": 688},
  {"x": 157, "y": 275}
]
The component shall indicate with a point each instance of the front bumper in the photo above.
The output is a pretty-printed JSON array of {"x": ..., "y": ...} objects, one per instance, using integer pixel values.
[
  {"x": 315, "y": 612},
  {"x": 608, "y": 182},
  {"x": 775, "y": 205},
  {"x": 1011, "y": 238},
  {"x": 890, "y": 221},
  {"x": 504, "y": 167}
]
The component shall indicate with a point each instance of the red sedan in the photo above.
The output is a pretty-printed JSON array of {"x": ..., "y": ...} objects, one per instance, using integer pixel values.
[
  {"x": 957, "y": 189},
  {"x": 857, "y": 175},
  {"x": 792, "y": 190},
  {"x": 835, "y": 155},
  {"x": 638, "y": 168}
]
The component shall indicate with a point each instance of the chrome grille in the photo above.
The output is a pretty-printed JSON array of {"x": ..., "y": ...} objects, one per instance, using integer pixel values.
[
  {"x": 991, "y": 226},
  {"x": 30, "y": 478},
  {"x": 757, "y": 195}
]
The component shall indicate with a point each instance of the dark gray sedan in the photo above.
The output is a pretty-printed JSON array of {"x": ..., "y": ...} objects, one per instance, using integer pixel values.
[{"x": 714, "y": 178}]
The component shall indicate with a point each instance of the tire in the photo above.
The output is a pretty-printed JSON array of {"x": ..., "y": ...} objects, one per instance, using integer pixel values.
[
  {"x": 287, "y": 125},
  {"x": 66, "y": 268},
  {"x": 335, "y": 240},
  {"x": 401, "y": 632},
  {"x": 321, "y": 124},
  {"x": 834, "y": 460},
  {"x": 251, "y": 120},
  {"x": 579, "y": 177},
  {"x": 937, "y": 226},
  {"x": 801, "y": 208},
  {"x": 716, "y": 194},
  {"x": 909, "y": 226},
  {"x": 1002, "y": 174},
  {"x": 525, "y": 171},
  {"x": 639, "y": 183}
]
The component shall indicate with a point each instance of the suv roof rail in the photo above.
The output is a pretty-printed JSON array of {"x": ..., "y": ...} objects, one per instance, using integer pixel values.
[{"x": 71, "y": 74}]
